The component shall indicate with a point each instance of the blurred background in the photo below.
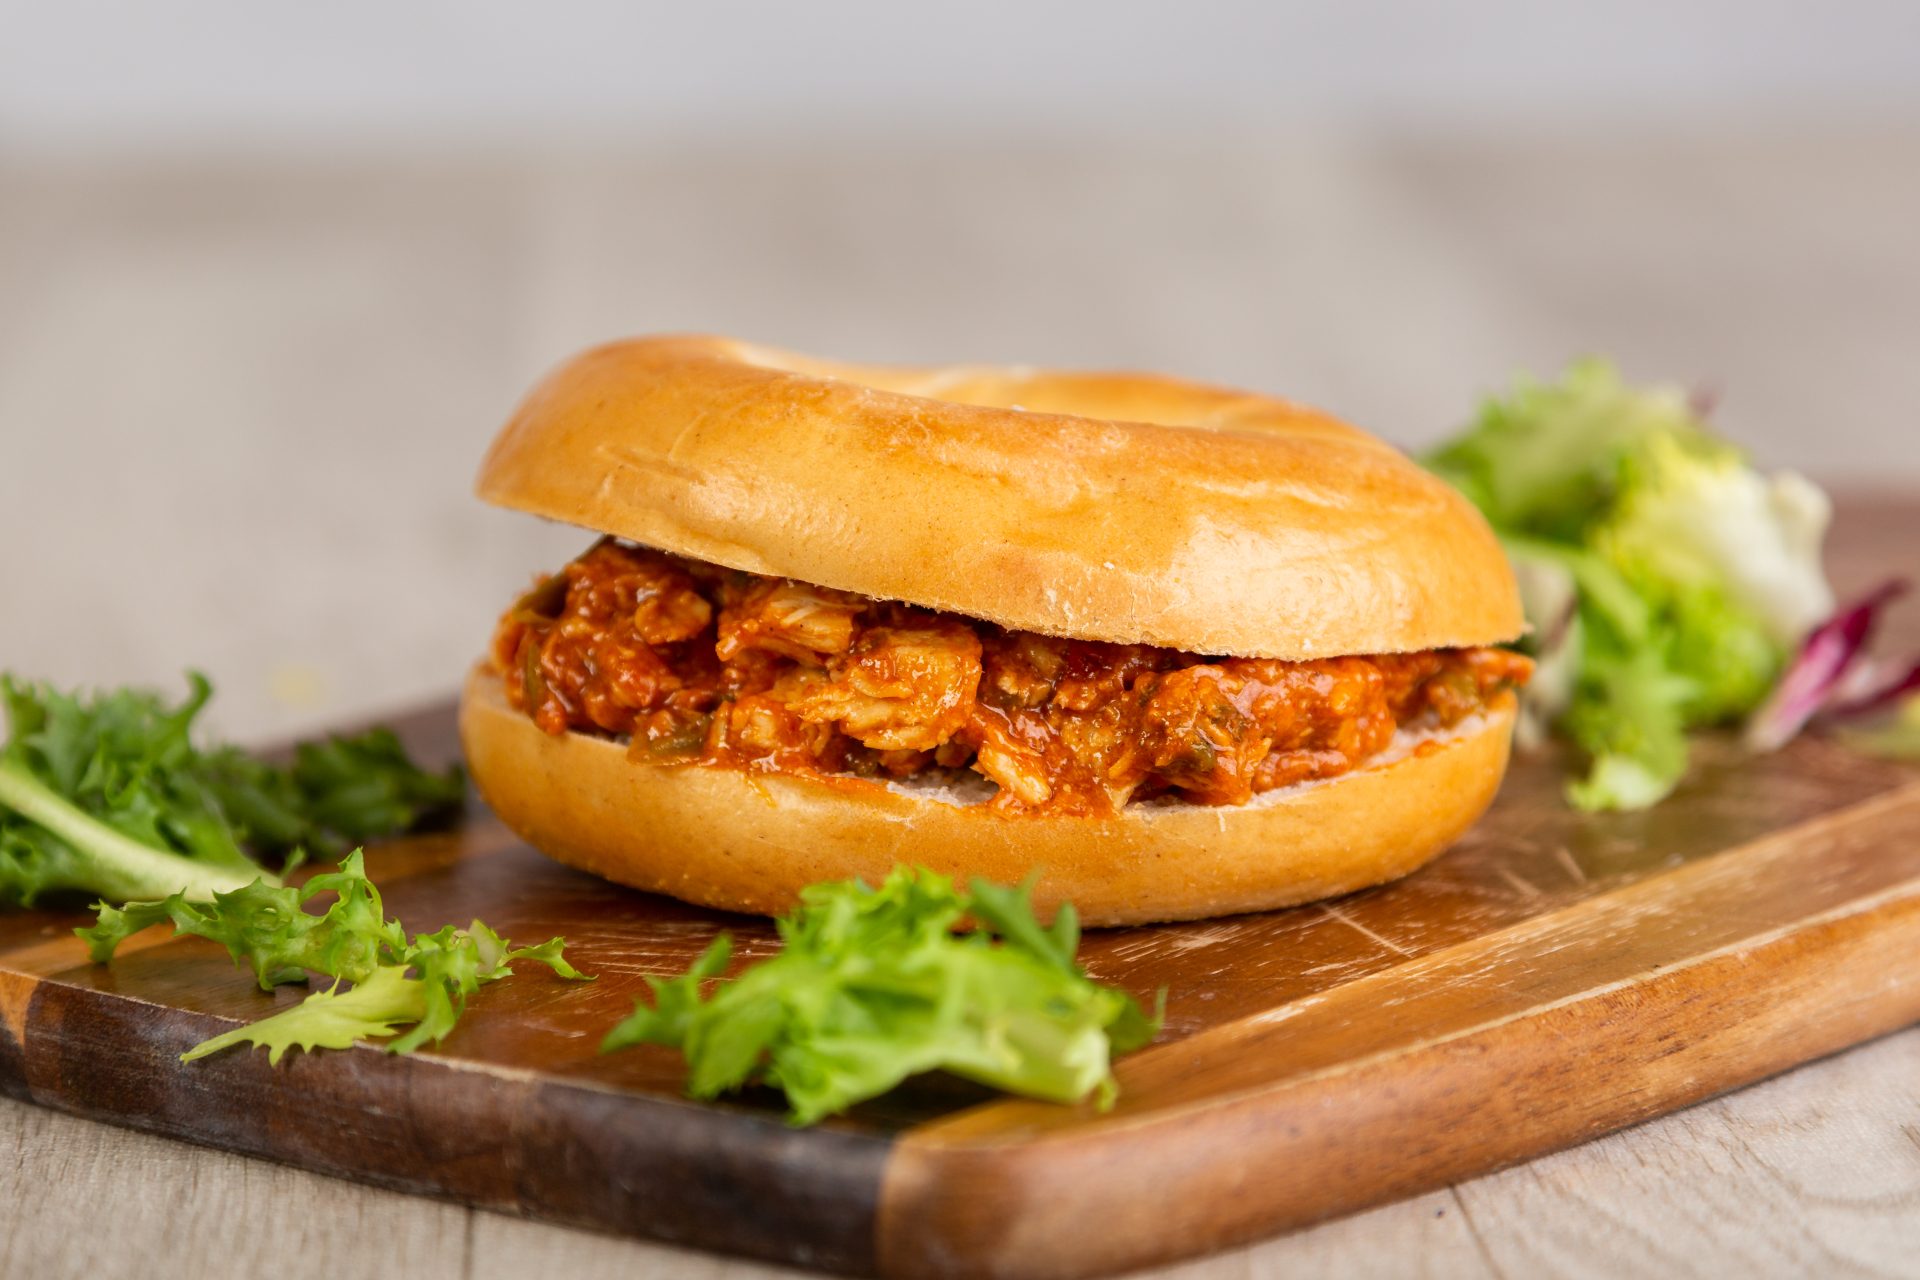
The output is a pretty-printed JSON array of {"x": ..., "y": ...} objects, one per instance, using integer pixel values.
[{"x": 272, "y": 274}]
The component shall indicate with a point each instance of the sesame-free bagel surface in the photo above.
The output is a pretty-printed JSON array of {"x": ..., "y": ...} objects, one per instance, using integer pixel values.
[
  {"x": 742, "y": 841},
  {"x": 1104, "y": 506}
]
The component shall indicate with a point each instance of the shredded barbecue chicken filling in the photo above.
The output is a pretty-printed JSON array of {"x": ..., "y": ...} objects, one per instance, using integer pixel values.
[{"x": 694, "y": 663}]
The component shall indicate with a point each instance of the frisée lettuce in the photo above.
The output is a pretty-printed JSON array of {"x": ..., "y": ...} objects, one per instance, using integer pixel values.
[
  {"x": 107, "y": 793},
  {"x": 420, "y": 982},
  {"x": 1693, "y": 576},
  {"x": 873, "y": 985}
]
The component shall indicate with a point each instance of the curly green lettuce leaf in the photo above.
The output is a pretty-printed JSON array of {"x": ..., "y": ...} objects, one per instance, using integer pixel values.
[
  {"x": 49, "y": 844},
  {"x": 265, "y": 927},
  {"x": 427, "y": 988},
  {"x": 421, "y": 982},
  {"x": 331, "y": 1019},
  {"x": 1628, "y": 716},
  {"x": 1725, "y": 656},
  {"x": 1544, "y": 459},
  {"x": 452, "y": 964},
  {"x": 338, "y": 792},
  {"x": 97, "y": 795},
  {"x": 1647, "y": 675},
  {"x": 1694, "y": 515},
  {"x": 872, "y": 985},
  {"x": 1693, "y": 575},
  {"x": 107, "y": 794},
  {"x": 1728, "y": 563}
]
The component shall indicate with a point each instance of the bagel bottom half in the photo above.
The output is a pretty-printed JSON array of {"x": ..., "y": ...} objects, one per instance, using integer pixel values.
[{"x": 750, "y": 842}]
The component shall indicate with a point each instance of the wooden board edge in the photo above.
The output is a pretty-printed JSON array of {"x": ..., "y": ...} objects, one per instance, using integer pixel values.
[
  {"x": 980, "y": 1194},
  {"x": 667, "y": 1169}
]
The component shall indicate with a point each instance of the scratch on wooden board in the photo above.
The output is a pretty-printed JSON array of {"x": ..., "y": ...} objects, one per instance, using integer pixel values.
[
  {"x": 1198, "y": 939},
  {"x": 1566, "y": 860},
  {"x": 1526, "y": 890},
  {"x": 1145, "y": 942},
  {"x": 1269, "y": 1017},
  {"x": 1357, "y": 927}
]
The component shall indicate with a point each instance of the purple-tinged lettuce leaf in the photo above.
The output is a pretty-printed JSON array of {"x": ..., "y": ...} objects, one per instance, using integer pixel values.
[
  {"x": 1822, "y": 667},
  {"x": 1873, "y": 684}
]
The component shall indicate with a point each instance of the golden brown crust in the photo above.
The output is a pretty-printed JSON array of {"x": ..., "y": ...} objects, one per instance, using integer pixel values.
[
  {"x": 749, "y": 842},
  {"x": 1121, "y": 507}
]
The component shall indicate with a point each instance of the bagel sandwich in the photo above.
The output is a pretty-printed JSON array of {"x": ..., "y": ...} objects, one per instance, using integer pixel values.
[{"x": 1172, "y": 650}]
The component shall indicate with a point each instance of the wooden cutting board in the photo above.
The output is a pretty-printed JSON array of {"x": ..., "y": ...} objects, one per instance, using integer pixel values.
[{"x": 1555, "y": 977}]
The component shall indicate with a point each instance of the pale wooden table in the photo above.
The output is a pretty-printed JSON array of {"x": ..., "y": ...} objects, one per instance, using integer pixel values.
[{"x": 240, "y": 401}]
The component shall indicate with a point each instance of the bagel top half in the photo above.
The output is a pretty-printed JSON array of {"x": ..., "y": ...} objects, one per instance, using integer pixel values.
[{"x": 1121, "y": 507}]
